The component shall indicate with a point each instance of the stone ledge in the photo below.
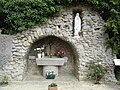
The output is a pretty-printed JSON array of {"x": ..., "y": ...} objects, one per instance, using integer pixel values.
[{"x": 51, "y": 61}]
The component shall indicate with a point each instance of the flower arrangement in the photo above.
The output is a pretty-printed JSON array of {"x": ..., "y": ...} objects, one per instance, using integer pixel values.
[
  {"x": 80, "y": 32},
  {"x": 60, "y": 53},
  {"x": 50, "y": 74},
  {"x": 40, "y": 52}
]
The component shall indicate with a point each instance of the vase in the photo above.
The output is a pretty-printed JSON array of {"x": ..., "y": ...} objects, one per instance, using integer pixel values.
[
  {"x": 43, "y": 54},
  {"x": 51, "y": 76},
  {"x": 39, "y": 55},
  {"x": 52, "y": 88}
]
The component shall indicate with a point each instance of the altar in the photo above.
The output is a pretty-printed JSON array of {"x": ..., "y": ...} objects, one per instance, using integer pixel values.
[
  {"x": 51, "y": 64},
  {"x": 50, "y": 55},
  {"x": 51, "y": 61}
]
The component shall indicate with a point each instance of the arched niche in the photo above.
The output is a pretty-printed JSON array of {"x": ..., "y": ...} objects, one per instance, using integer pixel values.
[
  {"x": 69, "y": 68},
  {"x": 79, "y": 12}
]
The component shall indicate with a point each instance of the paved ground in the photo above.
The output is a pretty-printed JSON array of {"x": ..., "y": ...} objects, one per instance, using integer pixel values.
[
  {"x": 66, "y": 85},
  {"x": 65, "y": 82}
]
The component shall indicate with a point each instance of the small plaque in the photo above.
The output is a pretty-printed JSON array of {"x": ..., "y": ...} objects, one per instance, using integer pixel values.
[{"x": 117, "y": 62}]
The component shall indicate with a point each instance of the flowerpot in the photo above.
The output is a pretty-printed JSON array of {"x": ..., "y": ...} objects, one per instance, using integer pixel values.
[
  {"x": 52, "y": 88},
  {"x": 50, "y": 77}
]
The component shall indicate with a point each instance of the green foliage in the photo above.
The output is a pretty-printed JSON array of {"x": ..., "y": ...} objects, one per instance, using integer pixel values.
[
  {"x": 117, "y": 73},
  {"x": 112, "y": 27},
  {"x": 4, "y": 79},
  {"x": 53, "y": 85},
  {"x": 96, "y": 72},
  {"x": 19, "y": 15},
  {"x": 110, "y": 11},
  {"x": 118, "y": 76},
  {"x": 50, "y": 75}
]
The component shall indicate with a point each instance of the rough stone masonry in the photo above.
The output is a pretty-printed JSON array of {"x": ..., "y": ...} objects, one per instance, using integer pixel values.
[{"x": 89, "y": 47}]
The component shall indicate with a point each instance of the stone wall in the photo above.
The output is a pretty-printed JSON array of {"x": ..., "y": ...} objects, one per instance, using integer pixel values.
[
  {"x": 5, "y": 54},
  {"x": 89, "y": 47}
]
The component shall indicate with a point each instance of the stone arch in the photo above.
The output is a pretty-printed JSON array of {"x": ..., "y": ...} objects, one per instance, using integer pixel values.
[
  {"x": 71, "y": 67},
  {"x": 33, "y": 35}
]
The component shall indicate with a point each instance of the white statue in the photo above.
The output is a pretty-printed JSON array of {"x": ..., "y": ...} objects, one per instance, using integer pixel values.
[{"x": 77, "y": 25}]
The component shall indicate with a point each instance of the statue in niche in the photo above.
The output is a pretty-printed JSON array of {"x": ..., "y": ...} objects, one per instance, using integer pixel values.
[{"x": 77, "y": 25}]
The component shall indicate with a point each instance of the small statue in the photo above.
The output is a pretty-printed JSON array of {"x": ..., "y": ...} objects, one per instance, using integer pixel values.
[{"x": 77, "y": 25}]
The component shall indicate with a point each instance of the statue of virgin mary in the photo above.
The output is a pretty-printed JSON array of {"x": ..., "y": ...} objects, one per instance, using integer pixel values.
[{"x": 77, "y": 25}]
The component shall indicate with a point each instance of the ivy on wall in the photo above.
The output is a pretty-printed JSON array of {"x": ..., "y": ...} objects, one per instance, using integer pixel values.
[
  {"x": 19, "y": 15},
  {"x": 110, "y": 12}
]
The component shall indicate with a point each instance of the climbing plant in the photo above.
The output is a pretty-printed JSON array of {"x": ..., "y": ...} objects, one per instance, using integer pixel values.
[
  {"x": 110, "y": 12},
  {"x": 19, "y": 15}
]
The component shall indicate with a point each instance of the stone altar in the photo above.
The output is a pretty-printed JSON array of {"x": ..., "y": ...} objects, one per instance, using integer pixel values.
[
  {"x": 51, "y": 64},
  {"x": 51, "y": 61}
]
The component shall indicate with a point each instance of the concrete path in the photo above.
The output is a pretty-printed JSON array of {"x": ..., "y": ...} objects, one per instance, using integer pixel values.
[
  {"x": 62, "y": 85},
  {"x": 64, "y": 82}
]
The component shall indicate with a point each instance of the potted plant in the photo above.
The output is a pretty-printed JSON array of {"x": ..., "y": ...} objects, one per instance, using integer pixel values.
[
  {"x": 96, "y": 72},
  {"x": 52, "y": 86}
]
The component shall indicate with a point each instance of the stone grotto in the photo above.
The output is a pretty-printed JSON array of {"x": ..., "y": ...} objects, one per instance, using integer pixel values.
[{"x": 18, "y": 52}]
